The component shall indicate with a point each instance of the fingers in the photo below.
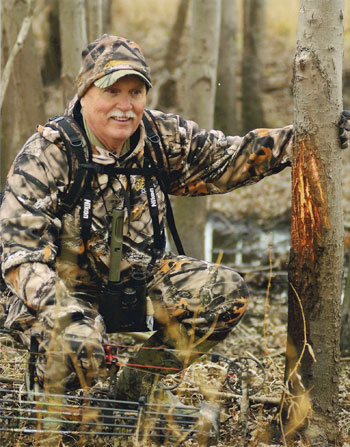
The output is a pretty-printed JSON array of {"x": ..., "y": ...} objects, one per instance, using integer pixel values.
[{"x": 344, "y": 129}]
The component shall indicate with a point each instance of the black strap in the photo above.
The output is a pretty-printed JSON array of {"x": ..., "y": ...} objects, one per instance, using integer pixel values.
[
  {"x": 73, "y": 143},
  {"x": 154, "y": 138},
  {"x": 162, "y": 179},
  {"x": 81, "y": 187},
  {"x": 87, "y": 169},
  {"x": 159, "y": 236}
]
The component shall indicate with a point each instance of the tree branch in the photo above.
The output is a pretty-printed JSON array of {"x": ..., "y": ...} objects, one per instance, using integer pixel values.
[{"x": 22, "y": 35}]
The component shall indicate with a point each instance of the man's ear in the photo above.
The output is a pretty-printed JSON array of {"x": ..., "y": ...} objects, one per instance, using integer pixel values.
[{"x": 82, "y": 101}]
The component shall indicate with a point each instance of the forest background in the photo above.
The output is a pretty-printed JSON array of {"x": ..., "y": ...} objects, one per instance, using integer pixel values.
[{"x": 149, "y": 23}]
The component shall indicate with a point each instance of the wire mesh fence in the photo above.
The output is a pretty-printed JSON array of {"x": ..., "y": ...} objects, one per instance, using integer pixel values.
[{"x": 70, "y": 416}]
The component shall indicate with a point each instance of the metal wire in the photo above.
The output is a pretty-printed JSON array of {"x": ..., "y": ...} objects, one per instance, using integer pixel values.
[{"x": 71, "y": 415}]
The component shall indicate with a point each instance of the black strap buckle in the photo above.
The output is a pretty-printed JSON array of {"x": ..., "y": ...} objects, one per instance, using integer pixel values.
[{"x": 154, "y": 138}]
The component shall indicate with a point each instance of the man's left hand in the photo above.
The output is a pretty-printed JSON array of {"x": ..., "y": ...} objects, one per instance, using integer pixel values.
[{"x": 344, "y": 129}]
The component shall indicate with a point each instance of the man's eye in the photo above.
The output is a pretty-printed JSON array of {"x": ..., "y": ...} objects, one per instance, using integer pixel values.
[{"x": 111, "y": 90}]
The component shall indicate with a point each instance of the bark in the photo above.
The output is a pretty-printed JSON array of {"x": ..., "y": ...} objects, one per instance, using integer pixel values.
[
  {"x": 345, "y": 317},
  {"x": 167, "y": 92},
  {"x": 94, "y": 17},
  {"x": 316, "y": 258},
  {"x": 73, "y": 41},
  {"x": 52, "y": 58},
  {"x": 23, "y": 106},
  {"x": 106, "y": 16},
  {"x": 252, "y": 65},
  {"x": 225, "y": 107},
  {"x": 200, "y": 82}
]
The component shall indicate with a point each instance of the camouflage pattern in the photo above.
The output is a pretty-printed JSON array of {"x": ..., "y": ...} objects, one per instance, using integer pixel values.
[
  {"x": 107, "y": 55},
  {"x": 50, "y": 291},
  {"x": 344, "y": 129}
]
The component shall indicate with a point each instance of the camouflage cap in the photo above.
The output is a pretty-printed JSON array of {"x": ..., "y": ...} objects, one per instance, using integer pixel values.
[{"x": 107, "y": 55}]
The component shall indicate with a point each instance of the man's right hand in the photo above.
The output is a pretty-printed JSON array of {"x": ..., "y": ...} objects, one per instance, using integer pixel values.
[{"x": 344, "y": 129}]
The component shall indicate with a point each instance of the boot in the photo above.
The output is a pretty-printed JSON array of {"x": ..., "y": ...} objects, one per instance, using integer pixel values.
[
  {"x": 170, "y": 419},
  {"x": 138, "y": 380}
]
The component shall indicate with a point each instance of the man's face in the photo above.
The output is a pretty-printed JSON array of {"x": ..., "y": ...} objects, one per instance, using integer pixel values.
[{"x": 114, "y": 113}]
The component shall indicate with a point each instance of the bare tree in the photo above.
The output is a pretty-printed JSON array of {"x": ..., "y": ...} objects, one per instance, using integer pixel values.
[
  {"x": 94, "y": 18},
  {"x": 167, "y": 91},
  {"x": 23, "y": 106},
  {"x": 252, "y": 65},
  {"x": 106, "y": 16},
  {"x": 51, "y": 67},
  {"x": 73, "y": 41},
  {"x": 200, "y": 82},
  {"x": 316, "y": 261},
  {"x": 225, "y": 104}
]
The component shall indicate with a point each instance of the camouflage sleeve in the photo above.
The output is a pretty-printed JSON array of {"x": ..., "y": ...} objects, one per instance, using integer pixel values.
[
  {"x": 208, "y": 162},
  {"x": 28, "y": 224}
]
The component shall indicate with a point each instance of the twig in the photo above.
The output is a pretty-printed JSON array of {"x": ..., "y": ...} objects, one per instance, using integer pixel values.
[
  {"x": 267, "y": 304},
  {"x": 244, "y": 404},
  {"x": 269, "y": 400},
  {"x": 4, "y": 379},
  {"x": 22, "y": 35}
]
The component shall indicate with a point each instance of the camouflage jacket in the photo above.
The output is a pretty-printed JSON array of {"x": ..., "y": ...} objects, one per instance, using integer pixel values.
[{"x": 40, "y": 248}]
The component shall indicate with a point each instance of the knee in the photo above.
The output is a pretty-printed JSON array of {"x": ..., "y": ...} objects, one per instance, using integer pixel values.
[{"x": 232, "y": 302}]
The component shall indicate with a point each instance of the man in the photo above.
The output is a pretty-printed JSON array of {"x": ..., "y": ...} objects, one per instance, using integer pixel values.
[{"x": 56, "y": 278}]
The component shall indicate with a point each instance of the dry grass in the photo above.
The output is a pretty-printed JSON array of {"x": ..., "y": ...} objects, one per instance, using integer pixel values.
[{"x": 262, "y": 335}]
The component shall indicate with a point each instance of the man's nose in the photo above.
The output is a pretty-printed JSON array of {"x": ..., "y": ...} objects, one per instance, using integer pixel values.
[{"x": 124, "y": 102}]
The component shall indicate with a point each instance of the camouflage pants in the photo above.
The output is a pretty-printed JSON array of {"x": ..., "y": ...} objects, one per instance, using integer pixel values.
[{"x": 206, "y": 298}]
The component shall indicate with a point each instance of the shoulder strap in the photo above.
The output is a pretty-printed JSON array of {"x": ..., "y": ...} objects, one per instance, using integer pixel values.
[
  {"x": 162, "y": 177},
  {"x": 74, "y": 144},
  {"x": 153, "y": 137}
]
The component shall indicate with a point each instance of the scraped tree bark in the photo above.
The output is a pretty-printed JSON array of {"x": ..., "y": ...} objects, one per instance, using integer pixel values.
[
  {"x": 73, "y": 36},
  {"x": 316, "y": 261},
  {"x": 23, "y": 106},
  {"x": 200, "y": 82},
  {"x": 252, "y": 64},
  {"x": 225, "y": 103}
]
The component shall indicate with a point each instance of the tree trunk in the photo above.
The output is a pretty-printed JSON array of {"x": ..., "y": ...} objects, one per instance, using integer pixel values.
[
  {"x": 73, "y": 41},
  {"x": 167, "y": 92},
  {"x": 316, "y": 258},
  {"x": 252, "y": 65},
  {"x": 345, "y": 317},
  {"x": 225, "y": 103},
  {"x": 106, "y": 16},
  {"x": 200, "y": 82},
  {"x": 51, "y": 69},
  {"x": 23, "y": 108},
  {"x": 94, "y": 17}
]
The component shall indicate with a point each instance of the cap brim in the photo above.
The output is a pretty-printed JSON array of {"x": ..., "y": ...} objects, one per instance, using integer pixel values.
[{"x": 110, "y": 78}]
